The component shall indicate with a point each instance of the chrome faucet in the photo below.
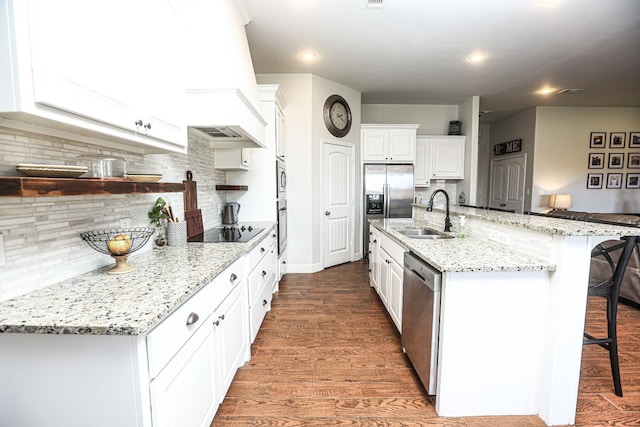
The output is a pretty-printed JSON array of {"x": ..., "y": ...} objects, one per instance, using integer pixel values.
[{"x": 447, "y": 220}]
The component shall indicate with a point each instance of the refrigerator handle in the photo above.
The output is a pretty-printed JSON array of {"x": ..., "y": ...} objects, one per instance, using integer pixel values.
[{"x": 385, "y": 192}]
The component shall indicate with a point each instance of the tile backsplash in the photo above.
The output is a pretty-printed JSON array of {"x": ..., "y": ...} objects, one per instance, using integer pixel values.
[{"x": 41, "y": 234}]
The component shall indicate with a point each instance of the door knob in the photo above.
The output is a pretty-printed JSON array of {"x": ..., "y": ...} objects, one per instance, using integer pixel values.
[{"x": 327, "y": 213}]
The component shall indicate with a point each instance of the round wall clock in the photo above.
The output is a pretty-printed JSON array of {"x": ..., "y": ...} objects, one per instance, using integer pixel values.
[{"x": 337, "y": 115}]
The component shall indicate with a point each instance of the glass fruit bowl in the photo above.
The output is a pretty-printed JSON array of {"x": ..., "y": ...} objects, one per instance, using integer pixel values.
[{"x": 119, "y": 243}]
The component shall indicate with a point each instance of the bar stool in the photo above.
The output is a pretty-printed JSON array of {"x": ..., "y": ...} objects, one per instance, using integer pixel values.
[{"x": 610, "y": 289}]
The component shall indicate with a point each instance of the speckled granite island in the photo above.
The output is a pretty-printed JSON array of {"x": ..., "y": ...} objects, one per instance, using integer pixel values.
[
  {"x": 513, "y": 304},
  {"x": 110, "y": 350}
]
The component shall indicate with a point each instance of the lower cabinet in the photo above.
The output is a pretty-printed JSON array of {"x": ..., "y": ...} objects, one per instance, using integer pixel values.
[
  {"x": 390, "y": 261},
  {"x": 262, "y": 267},
  {"x": 374, "y": 258}
]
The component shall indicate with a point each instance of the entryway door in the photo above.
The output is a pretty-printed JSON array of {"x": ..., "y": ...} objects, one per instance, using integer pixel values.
[
  {"x": 507, "y": 183},
  {"x": 338, "y": 181}
]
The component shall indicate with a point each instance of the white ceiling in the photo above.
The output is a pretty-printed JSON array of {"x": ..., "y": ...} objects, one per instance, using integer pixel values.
[{"x": 413, "y": 51}]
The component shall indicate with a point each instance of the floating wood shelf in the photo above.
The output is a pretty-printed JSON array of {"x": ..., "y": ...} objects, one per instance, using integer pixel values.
[
  {"x": 49, "y": 187},
  {"x": 232, "y": 187}
]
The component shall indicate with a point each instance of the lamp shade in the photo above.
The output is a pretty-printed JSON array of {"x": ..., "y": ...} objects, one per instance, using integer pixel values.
[{"x": 560, "y": 201}]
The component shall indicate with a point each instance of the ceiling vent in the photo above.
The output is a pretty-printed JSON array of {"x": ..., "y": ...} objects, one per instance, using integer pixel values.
[
  {"x": 569, "y": 91},
  {"x": 374, "y": 4}
]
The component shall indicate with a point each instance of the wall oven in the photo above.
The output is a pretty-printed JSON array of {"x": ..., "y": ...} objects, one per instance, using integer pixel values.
[
  {"x": 281, "y": 179},
  {"x": 282, "y": 225}
]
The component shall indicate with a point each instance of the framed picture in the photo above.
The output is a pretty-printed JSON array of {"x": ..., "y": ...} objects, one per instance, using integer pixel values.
[
  {"x": 616, "y": 160},
  {"x": 634, "y": 140},
  {"x": 594, "y": 180},
  {"x": 617, "y": 139},
  {"x": 633, "y": 161},
  {"x": 596, "y": 160},
  {"x": 633, "y": 180},
  {"x": 614, "y": 180},
  {"x": 597, "y": 139}
]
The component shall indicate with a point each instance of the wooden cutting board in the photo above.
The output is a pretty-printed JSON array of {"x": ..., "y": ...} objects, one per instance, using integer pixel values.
[{"x": 192, "y": 214}]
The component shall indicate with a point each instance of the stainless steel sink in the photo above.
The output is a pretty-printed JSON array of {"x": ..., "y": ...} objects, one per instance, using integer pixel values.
[{"x": 423, "y": 233}]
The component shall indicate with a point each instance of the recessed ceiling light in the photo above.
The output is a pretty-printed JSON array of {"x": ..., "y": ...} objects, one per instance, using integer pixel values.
[
  {"x": 477, "y": 57},
  {"x": 546, "y": 90},
  {"x": 308, "y": 56}
]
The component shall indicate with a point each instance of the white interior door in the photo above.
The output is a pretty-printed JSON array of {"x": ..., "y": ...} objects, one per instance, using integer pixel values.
[
  {"x": 337, "y": 203},
  {"x": 508, "y": 183}
]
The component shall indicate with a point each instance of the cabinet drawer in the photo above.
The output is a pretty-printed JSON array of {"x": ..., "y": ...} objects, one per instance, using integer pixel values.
[
  {"x": 169, "y": 336},
  {"x": 259, "y": 309},
  {"x": 263, "y": 273},
  {"x": 261, "y": 250},
  {"x": 395, "y": 250}
]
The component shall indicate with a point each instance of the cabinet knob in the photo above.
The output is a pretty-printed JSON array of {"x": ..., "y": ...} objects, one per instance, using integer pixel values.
[
  {"x": 147, "y": 126},
  {"x": 273, "y": 235},
  {"x": 216, "y": 323},
  {"x": 221, "y": 317},
  {"x": 327, "y": 213},
  {"x": 284, "y": 262},
  {"x": 262, "y": 250},
  {"x": 375, "y": 240},
  {"x": 193, "y": 318},
  {"x": 138, "y": 123},
  {"x": 264, "y": 302},
  {"x": 233, "y": 277},
  {"x": 264, "y": 273}
]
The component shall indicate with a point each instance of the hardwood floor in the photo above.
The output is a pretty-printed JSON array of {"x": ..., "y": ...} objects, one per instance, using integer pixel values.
[{"x": 328, "y": 354}]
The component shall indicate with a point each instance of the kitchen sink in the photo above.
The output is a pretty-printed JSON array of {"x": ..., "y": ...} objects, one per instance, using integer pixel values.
[{"x": 423, "y": 233}]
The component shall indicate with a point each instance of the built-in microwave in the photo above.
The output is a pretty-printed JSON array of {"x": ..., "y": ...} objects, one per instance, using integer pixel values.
[{"x": 281, "y": 179}]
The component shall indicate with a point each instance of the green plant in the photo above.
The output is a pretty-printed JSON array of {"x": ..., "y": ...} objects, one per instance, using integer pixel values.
[{"x": 156, "y": 213}]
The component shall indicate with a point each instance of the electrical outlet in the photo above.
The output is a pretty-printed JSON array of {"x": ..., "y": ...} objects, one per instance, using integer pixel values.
[
  {"x": 125, "y": 222},
  {"x": 3, "y": 259}
]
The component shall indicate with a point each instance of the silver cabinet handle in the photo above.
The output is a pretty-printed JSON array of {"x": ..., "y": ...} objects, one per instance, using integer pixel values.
[
  {"x": 216, "y": 323},
  {"x": 262, "y": 249},
  {"x": 221, "y": 317},
  {"x": 264, "y": 273},
  {"x": 193, "y": 318},
  {"x": 327, "y": 213},
  {"x": 264, "y": 302},
  {"x": 233, "y": 277}
]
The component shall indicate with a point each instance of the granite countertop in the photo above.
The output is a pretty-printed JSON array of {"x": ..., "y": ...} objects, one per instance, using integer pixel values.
[
  {"x": 97, "y": 303},
  {"x": 560, "y": 226},
  {"x": 466, "y": 254}
]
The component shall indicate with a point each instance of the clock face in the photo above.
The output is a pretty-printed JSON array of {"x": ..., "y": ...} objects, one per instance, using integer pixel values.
[{"x": 337, "y": 115}]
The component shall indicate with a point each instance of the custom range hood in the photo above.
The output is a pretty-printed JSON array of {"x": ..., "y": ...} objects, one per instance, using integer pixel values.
[
  {"x": 226, "y": 117},
  {"x": 221, "y": 98}
]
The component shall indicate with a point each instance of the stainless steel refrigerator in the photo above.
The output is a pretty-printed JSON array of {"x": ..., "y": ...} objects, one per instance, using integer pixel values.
[{"x": 388, "y": 193}]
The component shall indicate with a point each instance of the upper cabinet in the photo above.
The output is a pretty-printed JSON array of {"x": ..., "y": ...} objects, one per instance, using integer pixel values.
[
  {"x": 438, "y": 157},
  {"x": 69, "y": 70},
  {"x": 273, "y": 105},
  {"x": 388, "y": 143}
]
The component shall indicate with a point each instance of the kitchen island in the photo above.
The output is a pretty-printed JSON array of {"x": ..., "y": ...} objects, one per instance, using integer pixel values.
[
  {"x": 513, "y": 304},
  {"x": 107, "y": 350}
]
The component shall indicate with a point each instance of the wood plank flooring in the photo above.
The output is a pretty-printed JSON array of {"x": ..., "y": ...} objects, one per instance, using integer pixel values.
[{"x": 328, "y": 354}]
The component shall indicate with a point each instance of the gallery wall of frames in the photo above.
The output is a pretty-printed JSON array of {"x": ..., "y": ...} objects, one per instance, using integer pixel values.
[{"x": 614, "y": 160}]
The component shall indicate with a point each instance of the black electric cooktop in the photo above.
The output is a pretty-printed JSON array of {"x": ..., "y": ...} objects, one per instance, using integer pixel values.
[{"x": 227, "y": 234}]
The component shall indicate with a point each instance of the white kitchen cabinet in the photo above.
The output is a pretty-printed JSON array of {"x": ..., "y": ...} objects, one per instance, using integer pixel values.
[
  {"x": 438, "y": 157},
  {"x": 70, "y": 74},
  {"x": 184, "y": 394},
  {"x": 281, "y": 132},
  {"x": 422, "y": 169},
  {"x": 388, "y": 143},
  {"x": 262, "y": 267},
  {"x": 231, "y": 343},
  {"x": 391, "y": 280},
  {"x": 374, "y": 258},
  {"x": 233, "y": 158}
]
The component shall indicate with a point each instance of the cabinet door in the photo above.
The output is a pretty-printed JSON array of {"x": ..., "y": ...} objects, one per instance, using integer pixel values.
[
  {"x": 422, "y": 170},
  {"x": 395, "y": 293},
  {"x": 375, "y": 145},
  {"x": 385, "y": 261},
  {"x": 447, "y": 158},
  {"x": 402, "y": 146},
  {"x": 230, "y": 326},
  {"x": 280, "y": 134},
  {"x": 83, "y": 65},
  {"x": 183, "y": 395}
]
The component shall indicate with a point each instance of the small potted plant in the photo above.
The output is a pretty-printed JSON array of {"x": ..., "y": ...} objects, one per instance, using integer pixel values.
[{"x": 156, "y": 215}]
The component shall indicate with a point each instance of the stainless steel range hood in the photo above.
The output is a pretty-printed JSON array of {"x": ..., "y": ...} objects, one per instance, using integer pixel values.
[{"x": 225, "y": 117}]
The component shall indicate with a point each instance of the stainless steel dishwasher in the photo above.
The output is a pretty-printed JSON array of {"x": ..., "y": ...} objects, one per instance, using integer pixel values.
[{"x": 421, "y": 318}]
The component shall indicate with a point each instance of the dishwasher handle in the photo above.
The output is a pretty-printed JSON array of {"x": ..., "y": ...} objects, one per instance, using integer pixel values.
[{"x": 428, "y": 275}]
